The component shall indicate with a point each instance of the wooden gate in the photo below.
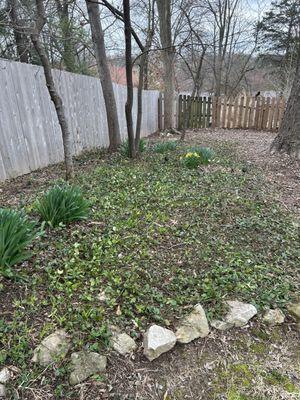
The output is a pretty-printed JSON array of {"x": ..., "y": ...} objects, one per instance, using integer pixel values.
[
  {"x": 258, "y": 113},
  {"x": 194, "y": 112}
]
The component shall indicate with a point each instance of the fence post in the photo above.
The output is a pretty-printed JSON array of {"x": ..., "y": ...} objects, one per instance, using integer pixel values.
[
  {"x": 180, "y": 112},
  {"x": 160, "y": 128},
  {"x": 214, "y": 112},
  {"x": 208, "y": 112},
  {"x": 240, "y": 113}
]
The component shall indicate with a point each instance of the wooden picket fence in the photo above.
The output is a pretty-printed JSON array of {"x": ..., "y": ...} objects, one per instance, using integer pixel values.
[{"x": 258, "y": 113}]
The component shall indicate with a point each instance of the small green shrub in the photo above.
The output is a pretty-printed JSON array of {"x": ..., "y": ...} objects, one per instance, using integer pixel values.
[
  {"x": 62, "y": 204},
  {"x": 191, "y": 160},
  {"x": 205, "y": 153},
  {"x": 16, "y": 233},
  {"x": 164, "y": 147},
  {"x": 124, "y": 148}
]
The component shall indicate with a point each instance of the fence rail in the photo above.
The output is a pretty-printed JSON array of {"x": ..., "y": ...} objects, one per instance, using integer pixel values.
[
  {"x": 30, "y": 136},
  {"x": 257, "y": 113}
]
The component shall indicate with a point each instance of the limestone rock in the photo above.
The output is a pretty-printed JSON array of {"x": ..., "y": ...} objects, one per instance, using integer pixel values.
[
  {"x": 53, "y": 347},
  {"x": 2, "y": 390},
  {"x": 294, "y": 310},
  {"x": 5, "y": 375},
  {"x": 274, "y": 317},
  {"x": 158, "y": 340},
  {"x": 85, "y": 364},
  {"x": 123, "y": 343},
  {"x": 193, "y": 326},
  {"x": 238, "y": 315},
  {"x": 220, "y": 325}
]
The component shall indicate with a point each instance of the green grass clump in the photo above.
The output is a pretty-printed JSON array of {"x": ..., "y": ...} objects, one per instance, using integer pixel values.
[
  {"x": 16, "y": 233},
  {"x": 124, "y": 148},
  {"x": 164, "y": 147},
  {"x": 62, "y": 205}
]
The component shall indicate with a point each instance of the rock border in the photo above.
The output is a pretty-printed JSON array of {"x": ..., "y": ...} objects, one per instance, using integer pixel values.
[{"x": 157, "y": 340}]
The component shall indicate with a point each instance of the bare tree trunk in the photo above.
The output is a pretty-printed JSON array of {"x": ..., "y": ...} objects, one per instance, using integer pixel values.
[
  {"x": 288, "y": 138},
  {"x": 66, "y": 136},
  {"x": 139, "y": 104},
  {"x": 128, "y": 59},
  {"x": 20, "y": 37},
  {"x": 104, "y": 74},
  {"x": 143, "y": 72},
  {"x": 164, "y": 11},
  {"x": 218, "y": 75},
  {"x": 68, "y": 54}
]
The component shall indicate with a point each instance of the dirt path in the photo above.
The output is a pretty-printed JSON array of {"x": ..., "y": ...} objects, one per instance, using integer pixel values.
[{"x": 253, "y": 147}]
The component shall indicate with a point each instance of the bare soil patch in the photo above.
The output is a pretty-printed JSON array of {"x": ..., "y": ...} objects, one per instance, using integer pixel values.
[{"x": 282, "y": 171}]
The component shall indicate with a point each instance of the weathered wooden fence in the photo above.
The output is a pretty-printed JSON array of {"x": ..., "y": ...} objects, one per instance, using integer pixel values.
[
  {"x": 257, "y": 113},
  {"x": 30, "y": 136},
  {"x": 194, "y": 112}
]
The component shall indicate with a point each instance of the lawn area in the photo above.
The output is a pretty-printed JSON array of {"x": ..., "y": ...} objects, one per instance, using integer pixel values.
[{"x": 159, "y": 239}]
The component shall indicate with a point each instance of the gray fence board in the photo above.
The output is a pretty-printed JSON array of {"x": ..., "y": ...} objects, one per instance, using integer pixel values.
[{"x": 30, "y": 136}]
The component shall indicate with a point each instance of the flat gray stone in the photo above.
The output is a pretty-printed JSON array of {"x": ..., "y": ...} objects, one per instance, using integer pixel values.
[
  {"x": 294, "y": 310},
  {"x": 158, "y": 340},
  {"x": 5, "y": 375},
  {"x": 2, "y": 390},
  {"x": 193, "y": 326},
  {"x": 54, "y": 347},
  {"x": 85, "y": 364},
  {"x": 274, "y": 317},
  {"x": 123, "y": 343}
]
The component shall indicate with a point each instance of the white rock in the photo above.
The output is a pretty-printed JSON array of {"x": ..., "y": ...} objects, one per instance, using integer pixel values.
[
  {"x": 123, "y": 343},
  {"x": 239, "y": 313},
  {"x": 193, "y": 326},
  {"x": 53, "y": 347},
  {"x": 85, "y": 364},
  {"x": 2, "y": 390},
  {"x": 158, "y": 340},
  {"x": 220, "y": 325},
  {"x": 5, "y": 375},
  {"x": 274, "y": 317}
]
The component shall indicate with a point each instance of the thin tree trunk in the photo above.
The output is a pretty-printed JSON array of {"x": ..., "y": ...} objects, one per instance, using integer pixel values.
[
  {"x": 288, "y": 138},
  {"x": 168, "y": 54},
  {"x": 139, "y": 104},
  {"x": 105, "y": 77},
  {"x": 128, "y": 59},
  {"x": 66, "y": 136},
  {"x": 20, "y": 38},
  {"x": 68, "y": 54},
  {"x": 143, "y": 71}
]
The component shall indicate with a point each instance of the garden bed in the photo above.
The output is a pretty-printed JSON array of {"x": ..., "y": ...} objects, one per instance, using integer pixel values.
[{"x": 160, "y": 238}]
